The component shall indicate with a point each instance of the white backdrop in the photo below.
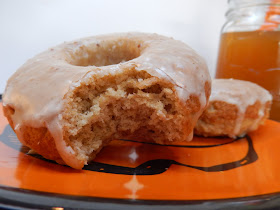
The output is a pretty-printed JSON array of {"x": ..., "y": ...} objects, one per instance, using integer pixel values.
[{"x": 28, "y": 27}]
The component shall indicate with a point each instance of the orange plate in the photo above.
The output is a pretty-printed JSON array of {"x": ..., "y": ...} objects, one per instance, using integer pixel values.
[{"x": 205, "y": 169}]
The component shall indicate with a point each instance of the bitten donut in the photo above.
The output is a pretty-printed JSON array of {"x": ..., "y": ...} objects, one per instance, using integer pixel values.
[
  {"x": 70, "y": 101},
  {"x": 235, "y": 108}
]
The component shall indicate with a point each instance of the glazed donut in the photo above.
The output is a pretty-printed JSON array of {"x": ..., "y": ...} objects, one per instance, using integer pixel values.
[
  {"x": 70, "y": 101},
  {"x": 235, "y": 108}
]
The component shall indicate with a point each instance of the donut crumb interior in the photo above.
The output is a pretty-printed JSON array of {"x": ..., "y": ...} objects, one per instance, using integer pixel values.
[{"x": 122, "y": 106}]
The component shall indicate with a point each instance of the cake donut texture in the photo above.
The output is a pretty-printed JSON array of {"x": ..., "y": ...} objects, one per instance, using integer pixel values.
[
  {"x": 71, "y": 100},
  {"x": 235, "y": 108}
]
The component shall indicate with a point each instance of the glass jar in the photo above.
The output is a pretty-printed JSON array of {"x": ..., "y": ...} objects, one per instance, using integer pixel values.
[{"x": 250, "y": 46}]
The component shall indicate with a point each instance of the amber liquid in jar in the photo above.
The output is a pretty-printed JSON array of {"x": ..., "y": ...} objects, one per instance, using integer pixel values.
[{"x": 253, "y": 56}]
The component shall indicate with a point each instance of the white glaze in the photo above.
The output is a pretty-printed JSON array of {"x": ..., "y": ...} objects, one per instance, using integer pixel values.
[
  {"x": 37, "y": 89},
  {"x": 242, "y": 94}
]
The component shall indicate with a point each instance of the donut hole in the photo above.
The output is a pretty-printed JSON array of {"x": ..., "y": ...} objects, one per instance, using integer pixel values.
[{"x": 105, "y": 53}]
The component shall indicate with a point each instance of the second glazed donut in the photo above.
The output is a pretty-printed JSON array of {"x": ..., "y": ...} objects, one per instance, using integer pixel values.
[{"x": 235, "y": 108}]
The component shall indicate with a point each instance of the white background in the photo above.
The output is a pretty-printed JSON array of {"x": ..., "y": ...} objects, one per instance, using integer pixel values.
[{"x": 28, "y": 27}]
